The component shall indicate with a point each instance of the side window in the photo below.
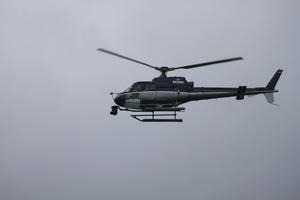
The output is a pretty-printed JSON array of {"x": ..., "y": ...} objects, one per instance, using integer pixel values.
[{"x": 149, "y": 87}]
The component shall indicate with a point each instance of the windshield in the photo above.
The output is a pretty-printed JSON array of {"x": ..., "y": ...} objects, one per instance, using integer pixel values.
[
  {"x": 128, "y": 89},
  {"x": 141, "y": 86}
]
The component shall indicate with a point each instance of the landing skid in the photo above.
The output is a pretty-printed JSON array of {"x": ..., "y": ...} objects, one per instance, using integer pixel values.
[{"x": 154, "y": 119}]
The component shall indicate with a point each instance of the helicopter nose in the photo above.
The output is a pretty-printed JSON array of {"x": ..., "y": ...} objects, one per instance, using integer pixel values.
[{"x": 120, "y": 100}]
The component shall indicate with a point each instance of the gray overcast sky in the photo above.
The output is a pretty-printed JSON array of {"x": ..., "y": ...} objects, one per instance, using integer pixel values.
[{"x": 58, "y": 141}]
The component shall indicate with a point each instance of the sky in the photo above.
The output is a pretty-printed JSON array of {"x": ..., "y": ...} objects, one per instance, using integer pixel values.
[{"x": 58, "y": 140}]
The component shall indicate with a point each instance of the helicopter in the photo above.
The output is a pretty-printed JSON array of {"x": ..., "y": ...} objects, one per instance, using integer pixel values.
[{"x": 160, "y": 100}]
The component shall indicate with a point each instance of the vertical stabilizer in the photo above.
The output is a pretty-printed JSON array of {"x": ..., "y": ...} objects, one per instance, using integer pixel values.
[
  {"x": 272, "y": 83},
  {"x": 270, "y": 98}
]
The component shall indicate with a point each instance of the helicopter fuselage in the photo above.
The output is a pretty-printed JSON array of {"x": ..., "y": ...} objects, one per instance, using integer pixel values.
[{"x": 173, "y": 91}]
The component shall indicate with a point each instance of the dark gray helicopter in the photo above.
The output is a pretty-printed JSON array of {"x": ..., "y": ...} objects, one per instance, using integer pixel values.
[{"x": 164, "y": 94}]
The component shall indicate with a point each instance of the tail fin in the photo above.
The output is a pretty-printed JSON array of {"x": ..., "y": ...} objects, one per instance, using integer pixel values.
[
  {"x": 272, "y": 84},
  {"x": 270, "y": 98}
]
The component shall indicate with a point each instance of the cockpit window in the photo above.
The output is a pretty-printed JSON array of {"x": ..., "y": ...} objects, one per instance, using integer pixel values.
[
  {"x": 138, "y": 87},
  {"x": 128, "y": 89}
]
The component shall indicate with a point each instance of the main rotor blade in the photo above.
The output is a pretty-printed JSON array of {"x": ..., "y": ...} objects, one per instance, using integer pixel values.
[
  {"x": 207, "y": 63},
  {"x": 127, "y": 58}
]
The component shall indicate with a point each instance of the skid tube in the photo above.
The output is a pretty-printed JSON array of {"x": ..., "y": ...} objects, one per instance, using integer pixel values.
[{"x": 153, "y": 117}]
